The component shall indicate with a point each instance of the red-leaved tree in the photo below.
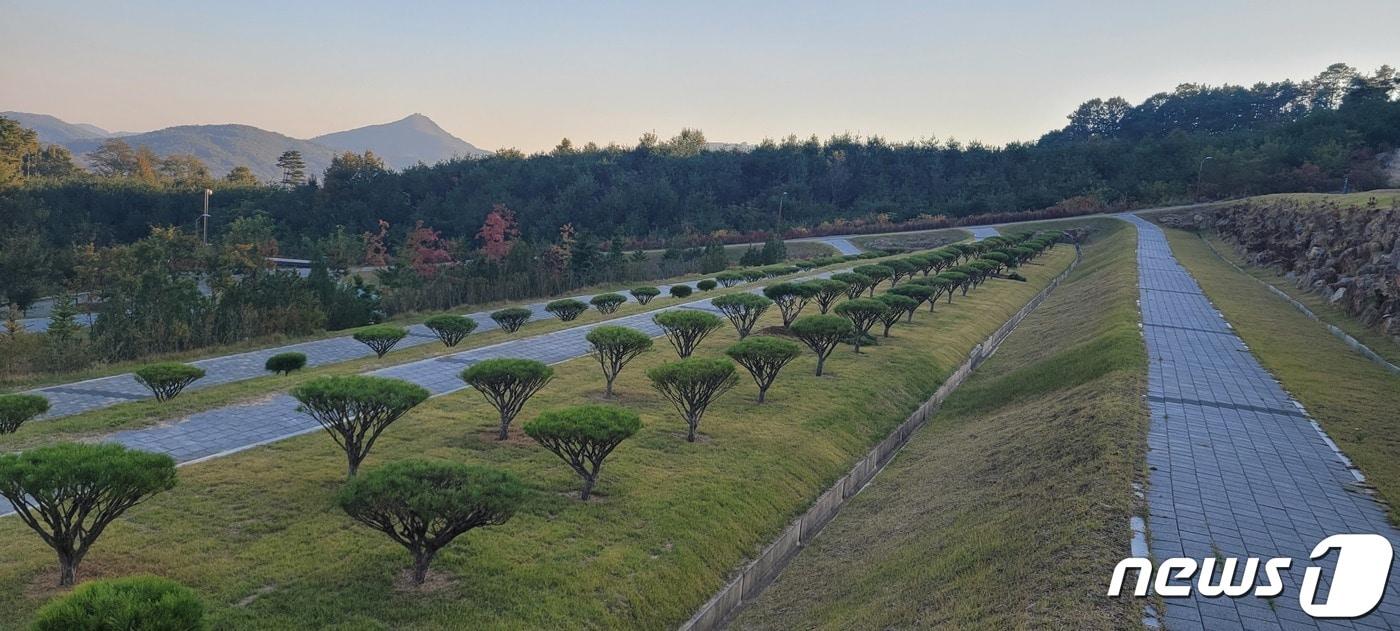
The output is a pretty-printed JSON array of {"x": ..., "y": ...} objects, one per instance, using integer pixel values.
[{"x": 499, "y": 233}]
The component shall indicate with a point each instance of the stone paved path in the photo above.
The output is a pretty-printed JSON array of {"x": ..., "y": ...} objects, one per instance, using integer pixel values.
[
  {"x": 982, "y": 232},
  {"x": 74, "y": 398},
  {"x": 1237, "y": 468},
  {"x": 843, "y": 245}
]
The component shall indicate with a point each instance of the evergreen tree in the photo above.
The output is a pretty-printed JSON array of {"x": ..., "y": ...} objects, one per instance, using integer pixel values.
[{"x": 293, "y": 168}]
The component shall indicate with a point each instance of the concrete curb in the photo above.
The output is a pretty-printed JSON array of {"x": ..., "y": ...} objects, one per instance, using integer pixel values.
[{"x": 759, "y": 573}]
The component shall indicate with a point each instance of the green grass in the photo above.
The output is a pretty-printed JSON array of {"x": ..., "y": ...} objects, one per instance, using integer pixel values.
[
  {"x": 1353, "y": 399},
  {"x": 923, "y": 239},
  {"x": 1011, "y": 507},
  {"x": 1384, "y": 198},
  {"x": 258, "y": 535}
]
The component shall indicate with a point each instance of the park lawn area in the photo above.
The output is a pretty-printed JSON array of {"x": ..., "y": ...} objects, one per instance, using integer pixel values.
[
  {"x": 258, "y": 533},
  {"x": 919, "y": 240},
  {"x": 1011, "y": 507},
  {"x": 1354, "y": 399},
  {"x": 144, "y": 413}
]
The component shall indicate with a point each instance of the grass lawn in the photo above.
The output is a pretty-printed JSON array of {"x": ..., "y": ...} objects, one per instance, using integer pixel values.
[
  {"x": 920, "y": 240},
  {"x": 1010, "y": 508},
  {"x": 257, "y": 533},
  {"x": 1354, "y": 399}
]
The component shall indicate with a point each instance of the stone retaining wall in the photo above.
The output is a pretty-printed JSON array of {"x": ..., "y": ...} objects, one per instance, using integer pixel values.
[{"x": 757, "y": 574}]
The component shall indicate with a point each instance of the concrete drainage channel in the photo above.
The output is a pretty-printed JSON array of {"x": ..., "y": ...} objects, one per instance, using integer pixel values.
[{"x": 759, "y": 573}]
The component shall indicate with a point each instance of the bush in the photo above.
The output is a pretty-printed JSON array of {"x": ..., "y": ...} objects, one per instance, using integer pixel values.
[
  {"x": 583, "y": 436},
  {"x": 16, "y": 409},
  {"x": 144, "y": 603},
  {"x": 743, "y": 310},
  {"x": 450, "y": 329},
  {"x": 285, "y": 363},
  {"x": 1016, "y": 277},
  {"x": 680, "y": 291},
  {"x": 567, "y": 309},
  {"x": 512, "y": 318},
  {"x": 821, "y": 333},
  {"x": 355, "y": 409},
  {"x": 862, "y": 312},
  {"x": 613, "y": 347},
  {"x": 607, "y": 303},
  {"x": 507, "y": 384},
  {"x": 70, "y": 492},
  {"x": 167, "y": 379},
  {"x": 691, "y": 385},
  {"x": 645, "y": 294},
  {"x": 686, "y": 328},
  {"x": 706, "y": 285},
  {"x": 764, "y": 357},
  {"x": 424, "y": 504},
  {"x": 380, "y": 337}
]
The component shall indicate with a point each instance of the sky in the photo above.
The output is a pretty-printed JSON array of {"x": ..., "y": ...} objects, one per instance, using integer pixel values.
[{"x": 525, "y": 74}]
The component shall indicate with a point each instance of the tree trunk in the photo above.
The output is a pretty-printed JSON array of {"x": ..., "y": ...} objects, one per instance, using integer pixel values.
[
  {"x": 909, "y": 317},
  {"x": 607, "y": 392},
  {"x": 505, "y": 428},
  {"x": 421, "y": 560},
  {"x": 887, "y": 329},
  {"x": 354, "y": 463},
  {"x": 587, "y": 491},
  {"x": 67, "y": 570},
  {"x": 761, "y": 392},
  {"x": 821, "y": 361},
  {"x": 690, "y": 436}
]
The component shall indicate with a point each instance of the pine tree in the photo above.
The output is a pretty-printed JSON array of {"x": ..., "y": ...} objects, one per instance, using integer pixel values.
[{"x": 293, "y": 168}]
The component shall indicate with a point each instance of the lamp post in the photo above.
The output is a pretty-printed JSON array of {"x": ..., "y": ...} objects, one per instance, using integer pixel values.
[
  {"x": 1199, "y": 170},
  {"x": 780, "y": 211},
  {"x": 207, "y": 193}
]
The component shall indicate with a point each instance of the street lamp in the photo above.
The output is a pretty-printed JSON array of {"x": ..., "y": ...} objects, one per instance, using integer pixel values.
[
  {"x": 207, "y": 193},
  {"x": 780, "y": 211},
  {"x": 1199, "y": 170}
]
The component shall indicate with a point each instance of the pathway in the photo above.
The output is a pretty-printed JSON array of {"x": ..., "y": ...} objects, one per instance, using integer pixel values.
[
  {"x": 1237, "y": 468},
  {"x": 982, "y": 232}
]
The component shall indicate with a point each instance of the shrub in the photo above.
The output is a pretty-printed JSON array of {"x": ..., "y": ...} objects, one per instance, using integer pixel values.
[
  {"x": 876, "y": 273},
  {"x": 16, "y": 409},
  {"x": 567, "y": 309},
  {"x": 607, "y": 303},
  {"x": 144, "y": 603},
  {"x": 680, "y": 291},
  {"x": 743, "y": 310},
  {"x": 512, "y": 318},
  {"x": 862, "y": 312},
  {"x": 791, "y": 298},
  {"x": 896, "y": 306},
  {"x": 380, "y": 337},
  {"x": 613, "y": 347},
  {"x": 167, "y": 379},
  {"x": 285, "y": 363},
  {"x": 583, "y": 436},
  {"x": 507, "y": 384},
  {"x": 764, "y": 357},
  {"x": 729, "y": 279},
  {"x": 706, "y": 285},
  {"x": 450, "y": 329},
  {"x": 355, "y": 409},
  {"x": 692, "y": 384},
  {"x": 826, "y": 292},
  {"x": 1016, "y": 277},
  {"x": 70, "y": 492},
  {"x": 821, "y": 333},
  {"x": 424, "y": 504},
  {"x": 856, "y": 284},
  {"x": 686, "y": 328},
  {"x": 645, "y": 294}
]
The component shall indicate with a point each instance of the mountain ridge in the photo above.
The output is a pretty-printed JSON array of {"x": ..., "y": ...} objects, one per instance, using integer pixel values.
[{"x": 401, "y": 144}]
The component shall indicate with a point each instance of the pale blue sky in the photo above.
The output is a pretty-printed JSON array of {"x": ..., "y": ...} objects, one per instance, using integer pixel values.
[{"x": 525, "y": 74}]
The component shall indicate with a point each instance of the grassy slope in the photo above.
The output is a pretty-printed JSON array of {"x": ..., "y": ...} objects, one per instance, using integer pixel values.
[
  {"x": 1010, "y": 509},
  {"x": 257, "y": 533},
  {"x": 1354, "y": 399},
  {"x": 918, "y": 239}
]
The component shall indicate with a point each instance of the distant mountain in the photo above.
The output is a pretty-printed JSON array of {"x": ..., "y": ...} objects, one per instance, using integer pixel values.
[
  {"x": 403, "y": 143},
  {"x": 223, "y": 147},
  {"x": 55, "y": 131},
  {"x": 400, "y": 144}
]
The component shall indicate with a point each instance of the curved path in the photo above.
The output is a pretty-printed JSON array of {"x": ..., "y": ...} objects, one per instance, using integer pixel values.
[{"x": 1237, "y": 467}]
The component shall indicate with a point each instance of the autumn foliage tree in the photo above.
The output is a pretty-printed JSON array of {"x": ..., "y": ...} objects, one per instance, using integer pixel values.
[{"x": 498, "y": 233}]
